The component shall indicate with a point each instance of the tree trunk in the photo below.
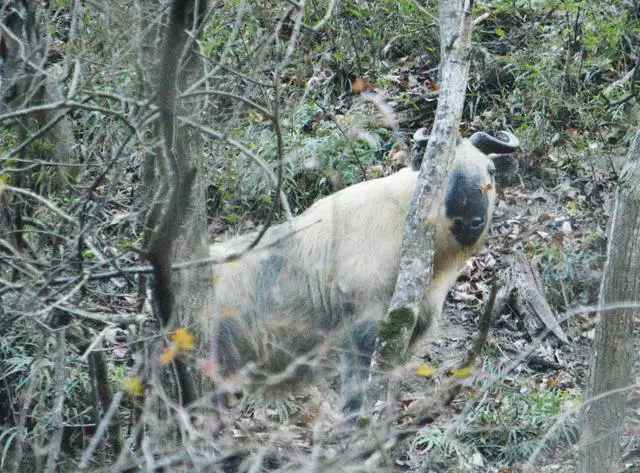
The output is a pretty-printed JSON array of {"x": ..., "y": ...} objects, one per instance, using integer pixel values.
[
  {"x": 610, "y": 371},
  {"x": 416, "y": 263},
  {"x": 29, "y": 82},
  {"x": 180, "y": 217}
]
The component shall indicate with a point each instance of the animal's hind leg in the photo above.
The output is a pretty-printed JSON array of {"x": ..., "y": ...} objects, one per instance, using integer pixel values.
[
  {"x": 355, "y": 360},
  {"x": 232, "y": 349}
]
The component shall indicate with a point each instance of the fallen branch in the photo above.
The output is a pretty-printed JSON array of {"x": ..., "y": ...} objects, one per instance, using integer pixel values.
[{"x": 521, "y": 291}]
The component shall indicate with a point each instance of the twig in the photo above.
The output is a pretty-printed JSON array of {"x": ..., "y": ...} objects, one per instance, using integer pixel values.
[
  {"x": 250, "y": 154},
  {"x": 146, "y": 269},
  {"x": 241, "y": 98},
  {"x": 278, "y": 190},
  {"x": 100, "y": 431},
  {"x": 634, "y": 78},
  {"x": 31, "y": 384},
  {"x": 50, "y": 205},
  {"x": 57, "y": 419},
  {"x": 327, "y": 15}
]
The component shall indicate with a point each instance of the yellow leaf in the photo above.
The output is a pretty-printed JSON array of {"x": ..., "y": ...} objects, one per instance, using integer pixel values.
[
  {"x": 425, "y": 370},
  {"x": 168, "y": 355},
  {"x": 133, "y": 386},
  {"x": 184, "y": 340},
  {"x": 462, "y": 372}
]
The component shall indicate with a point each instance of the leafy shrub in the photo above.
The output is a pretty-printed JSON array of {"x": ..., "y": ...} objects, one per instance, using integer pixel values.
[{"x": 506, "y": 425}]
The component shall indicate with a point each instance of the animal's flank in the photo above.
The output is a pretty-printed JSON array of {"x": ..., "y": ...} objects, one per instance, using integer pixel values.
[
  {"x": 325, "y": 278},
  {"x": 270, "y": 269}
]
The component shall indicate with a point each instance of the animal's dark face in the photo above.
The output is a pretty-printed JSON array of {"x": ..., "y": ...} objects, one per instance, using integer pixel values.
[{"x": 469, "y": 200}]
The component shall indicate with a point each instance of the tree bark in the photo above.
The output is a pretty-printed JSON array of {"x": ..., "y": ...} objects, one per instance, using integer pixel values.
[
  {"x": 29, "y": 80},
  {"x": 183, "y": 295},
  {"x": 416, "y": 263},
  {"x": 611, "y": 361}
]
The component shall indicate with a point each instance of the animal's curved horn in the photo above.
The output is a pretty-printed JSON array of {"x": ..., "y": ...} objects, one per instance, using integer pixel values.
[
  {"x": 491, "y": 145},
  {"x": 421, "y": 135}
]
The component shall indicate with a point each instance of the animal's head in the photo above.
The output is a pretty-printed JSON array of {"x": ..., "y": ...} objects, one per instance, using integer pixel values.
[{"x": 471, "y": 190}]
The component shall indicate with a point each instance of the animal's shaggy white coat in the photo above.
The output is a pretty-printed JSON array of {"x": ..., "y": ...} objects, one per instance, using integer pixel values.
[{"x": 332, "y": 267}]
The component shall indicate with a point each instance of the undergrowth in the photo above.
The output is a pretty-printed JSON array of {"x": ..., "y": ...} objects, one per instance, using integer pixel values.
[{"x": 505, "y": 422}]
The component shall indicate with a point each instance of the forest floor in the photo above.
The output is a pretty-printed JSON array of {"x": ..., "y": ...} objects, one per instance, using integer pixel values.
[
  {"x": 325, "y": 106},
  {"x": 533, "y": 213},
  {"x": 537, "y": 211}
]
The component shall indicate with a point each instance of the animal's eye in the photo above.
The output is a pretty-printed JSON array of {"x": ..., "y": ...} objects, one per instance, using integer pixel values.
[{"x": 492, "y": 171}]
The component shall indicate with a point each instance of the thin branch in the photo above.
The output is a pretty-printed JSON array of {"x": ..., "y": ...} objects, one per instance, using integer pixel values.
[
  {"x": 31, "y": 383},
  {"x": 279, "y": 139},
  {"x": 57, "y": 418},
  {"x": 237, "y": 25},
  {"x": 146, "y": 269},
  {"x": 46, "y": 202},
  {"x": 247, "y": 152},
  {"x": 327, "y": 15},
  {"x": 60, "y": 301},
  {"x": 104, "y": 317},
  {"x": 266, "y": 113},
  {"x": 60, "y": 104},
  {"x": 100, "y": 431}
]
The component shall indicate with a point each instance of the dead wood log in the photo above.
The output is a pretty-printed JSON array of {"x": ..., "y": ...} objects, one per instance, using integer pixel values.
[{"x": 521, "y": 291}]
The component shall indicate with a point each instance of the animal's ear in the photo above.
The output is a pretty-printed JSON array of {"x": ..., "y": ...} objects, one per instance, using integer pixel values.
[
  {"x": 418, "y": 147},
  {"x": 491, "y": 145},
  {"x": 507, "y": 170}
]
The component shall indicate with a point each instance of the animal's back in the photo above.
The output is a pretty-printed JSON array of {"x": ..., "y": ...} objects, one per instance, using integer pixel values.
[
  {"x": 338, "y": 260},
  {"x": 336, "y": 265}
]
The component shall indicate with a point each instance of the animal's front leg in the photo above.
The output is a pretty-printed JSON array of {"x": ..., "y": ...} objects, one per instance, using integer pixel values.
[{"x": 355, "y": 361}]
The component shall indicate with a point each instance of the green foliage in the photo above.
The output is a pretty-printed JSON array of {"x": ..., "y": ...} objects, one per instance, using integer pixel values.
[
  {"x": 507, "y": 424},
  {"x": 553, "y": 61},
  {"x": 442, "y": 450},
  {"x": 27, "y": 369},
  {"x": 378, "y": 30},
  {"x": 323, "y": 151},
  {"x": 321, "y": 154},
  {"x": 8, "y": 142},
  {"x": 570, "y": 274},
  {"x": 221, "y": 37},
  {"x": 512, "y": 426},
  {"x": 554, "y": 66},
  {"x": 8, "y": 138}
]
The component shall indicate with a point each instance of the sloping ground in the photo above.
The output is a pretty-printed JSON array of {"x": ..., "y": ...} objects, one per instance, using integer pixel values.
[
  {"x": 526, "y": 76},
  {"x": 501, "y": 417},
  {"x": 529, "y": 216},
  {"x": 561, "y": 75}
]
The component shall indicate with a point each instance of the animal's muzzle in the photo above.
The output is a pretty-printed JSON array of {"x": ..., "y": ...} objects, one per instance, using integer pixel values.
[
  {"x": 467, "y": 205},
  {"x": 467, "y": 230}
]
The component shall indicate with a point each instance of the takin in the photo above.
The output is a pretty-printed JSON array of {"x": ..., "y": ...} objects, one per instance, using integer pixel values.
[{"x": 323, "y": 281}]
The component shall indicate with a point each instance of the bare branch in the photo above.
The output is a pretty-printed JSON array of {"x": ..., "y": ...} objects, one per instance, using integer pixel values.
[
  {"x": 57, "y": 418},
  {"x": 101, "y": 431},
  {"x": 247, "y": 152},
  {"x": 46, "y": 202}
]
